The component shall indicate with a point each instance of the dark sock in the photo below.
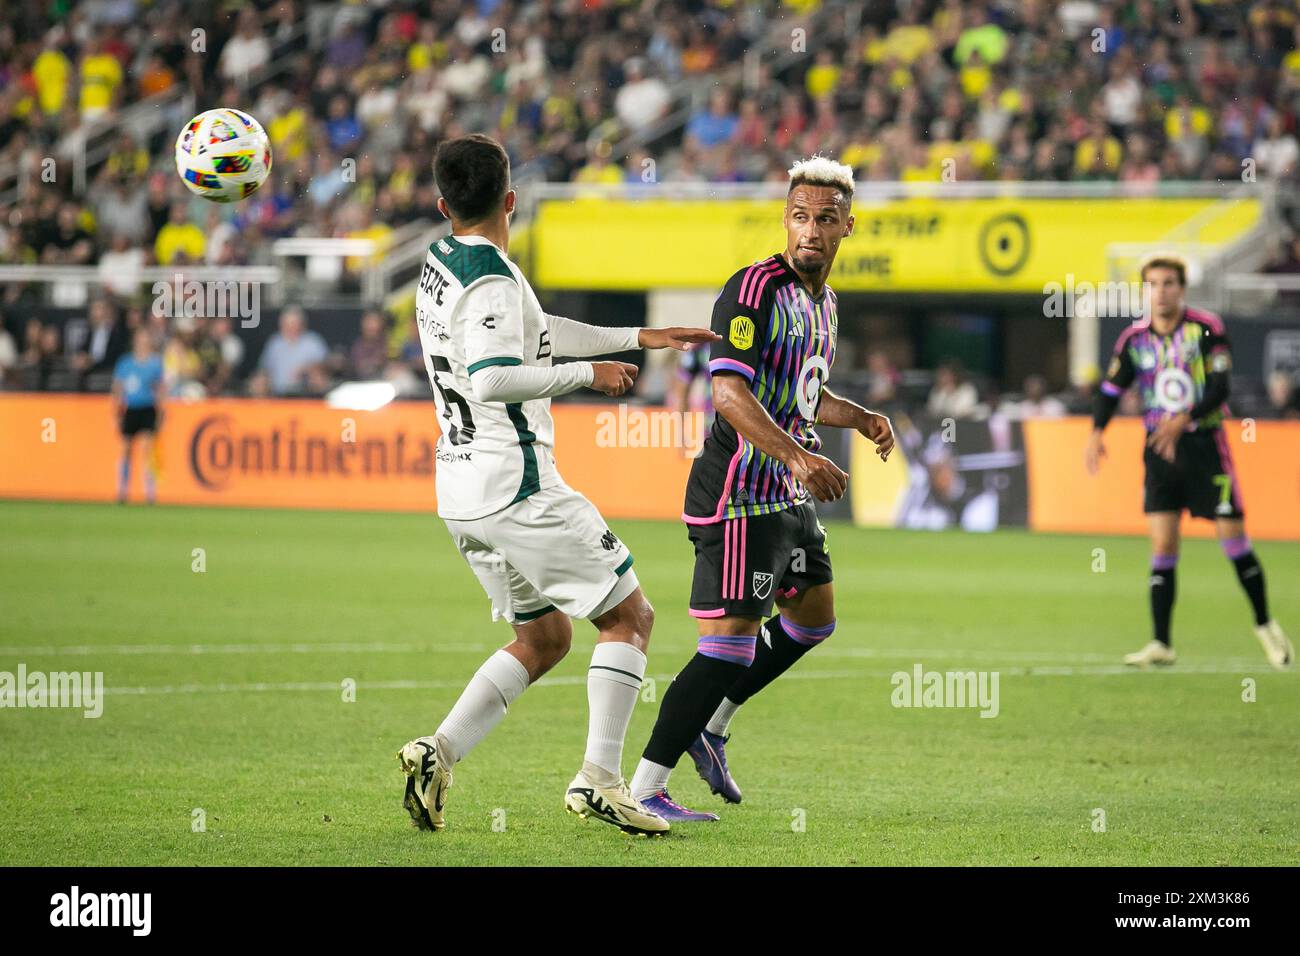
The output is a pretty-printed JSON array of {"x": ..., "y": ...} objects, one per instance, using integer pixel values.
[
  {"x": 1251, "y": 575},
  {"x": 1163, "y": 587},
  {"x": 688, "y": 704},
  {"x": 773, "y": 659}
]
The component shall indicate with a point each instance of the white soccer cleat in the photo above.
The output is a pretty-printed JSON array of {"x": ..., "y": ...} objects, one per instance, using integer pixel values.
[
  {"x": 612, "y": 804},
  {"x": 1154, "y": 653},
  {"x": 427, "y": 781},
  {"x": 1277, "y": 647}
]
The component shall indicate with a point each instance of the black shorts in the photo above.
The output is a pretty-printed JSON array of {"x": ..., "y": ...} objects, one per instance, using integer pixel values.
[
  {"x": 136, "y": 420},
  {"x": 743, "y": 564},
  {"x": 1201, "y": 478}
]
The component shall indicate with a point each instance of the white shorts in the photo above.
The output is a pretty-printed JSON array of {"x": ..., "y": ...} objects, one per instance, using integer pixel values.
[{"x": 551, "y": 551}]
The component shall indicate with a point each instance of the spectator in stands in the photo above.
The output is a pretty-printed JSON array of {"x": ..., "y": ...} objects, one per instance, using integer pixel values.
[
  {"x": 1137, "y": 169},
  {"x": 1283, "y": 396},
  {"x": 407, "y": 374},
  {"x": 105, "y": 343},
  {"x": 180, "y": 240},
  {"x": 368, "y": 356},
  {"x": 52, "y": 72},
  {"x": 1098, "y": 154},
  {"x": 182, "y": 366},
  {"x": 122, "y": 210},
  {"x": 42, "y": 359},
  {"x": 884, "y": 378},
  {"x": 291, "y": 354},
  {"x": 119, "y": 267},
  {"x": 101, "y": 77},
  {"x": 156, "y": 77},
  {"x": 642, "y": 99},
  {"x": 952, "y": 396},
  {"x": 1034, "y": 401},
  {"x": 231, "y": 348},
  {"x": 8, "y": 357},
  {"x": 1277, "y": 152},
  {"x": 68, "y": 243},
  {"x": 342, "y": 129},
  {"x": 245, "y": 52},
  {"x": 714, "y": 126}
]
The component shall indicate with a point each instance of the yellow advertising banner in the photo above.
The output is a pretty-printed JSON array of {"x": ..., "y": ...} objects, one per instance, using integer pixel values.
[{"x": 903, "y": 245}]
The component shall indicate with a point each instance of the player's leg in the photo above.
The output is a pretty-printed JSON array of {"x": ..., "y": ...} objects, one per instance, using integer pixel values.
[
  {"x": 124, "y": 469},
  {"x": 150, "y": 466},
  {"x": 558, "y": 542},
  {"x": 614, "y": 680},
  {"x": 1163, "y": 587},
  {"x": 725, "y": 648},
  {"x": 1217, "y": 495},
  {"x": 806, "y": 619},
  {"x": 542, "y": 638},
  {"x": 1236, "y": 545},
  {"x": 599, "y": 790},
  {"x": 738, "y": 564},
  {"x": 806, "y": 602}
]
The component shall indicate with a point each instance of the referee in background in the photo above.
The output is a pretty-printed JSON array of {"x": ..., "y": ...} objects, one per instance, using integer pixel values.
[{"x": 137, "y": 400}]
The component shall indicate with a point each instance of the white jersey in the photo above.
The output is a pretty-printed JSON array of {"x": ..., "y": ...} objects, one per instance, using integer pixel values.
[{"x": 475, "y": 310}]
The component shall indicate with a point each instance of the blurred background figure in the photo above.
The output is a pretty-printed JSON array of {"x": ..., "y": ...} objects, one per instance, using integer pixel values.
[{"x": 138, "y": 387}]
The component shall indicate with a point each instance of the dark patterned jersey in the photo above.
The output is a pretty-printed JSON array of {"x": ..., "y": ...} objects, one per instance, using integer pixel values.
[
  {"x": 1170, "y": 369},
  {"x": 781, "y": 340}
]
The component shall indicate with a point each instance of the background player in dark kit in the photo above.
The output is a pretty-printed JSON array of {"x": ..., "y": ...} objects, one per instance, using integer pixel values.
[{"x": 1180, "y": 359}]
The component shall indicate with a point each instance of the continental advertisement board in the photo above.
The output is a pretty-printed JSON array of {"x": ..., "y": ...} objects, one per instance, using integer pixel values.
[
  {"x": 977, "y": 476},
  {"x": 988, "y": 245}
]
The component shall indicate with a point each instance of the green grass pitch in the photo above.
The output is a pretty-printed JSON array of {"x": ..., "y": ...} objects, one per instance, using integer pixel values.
[{"x": 224, "y": 695}]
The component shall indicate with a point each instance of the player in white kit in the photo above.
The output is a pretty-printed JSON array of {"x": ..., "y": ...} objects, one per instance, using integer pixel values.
[{"x": 540, "y": 549}]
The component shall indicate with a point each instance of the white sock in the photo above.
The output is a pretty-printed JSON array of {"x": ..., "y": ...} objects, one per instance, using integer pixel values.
[
  {"x": 721, "y": 718},
  {"x": 483, "y": 703},
  {"x": 649, "y": 779},
  {"x": 613, "y": 682}
]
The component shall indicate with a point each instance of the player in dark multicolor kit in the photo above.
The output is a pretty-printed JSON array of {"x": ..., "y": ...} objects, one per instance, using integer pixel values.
[
  {"x": 748, "y": 500},
  {"x": 1180, "y": 360}
]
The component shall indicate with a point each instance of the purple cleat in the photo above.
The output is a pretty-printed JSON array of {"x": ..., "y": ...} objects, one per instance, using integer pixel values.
[
  {"x": 673, "y": 811},
  {"x": 711, "y": 761}
]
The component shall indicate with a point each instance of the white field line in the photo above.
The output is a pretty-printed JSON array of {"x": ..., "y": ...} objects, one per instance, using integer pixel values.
[
  {"x": 1097, "y": 670},
  {"x": 911, "y": 654},
  {"x": 341, "y": 647}
]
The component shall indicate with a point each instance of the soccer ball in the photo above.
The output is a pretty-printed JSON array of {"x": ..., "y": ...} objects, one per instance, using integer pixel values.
[{"x": 223, "y": 155}]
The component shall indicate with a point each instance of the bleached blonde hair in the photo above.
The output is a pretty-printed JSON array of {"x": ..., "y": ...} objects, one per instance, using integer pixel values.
[{"x": 822, "y": 171}]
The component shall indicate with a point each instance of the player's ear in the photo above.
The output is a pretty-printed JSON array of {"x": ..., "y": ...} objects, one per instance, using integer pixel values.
[
  {"x": 442, "y": 207},
  {"x": 511, "y": 197},
  {"x": 848, "y": 226}
]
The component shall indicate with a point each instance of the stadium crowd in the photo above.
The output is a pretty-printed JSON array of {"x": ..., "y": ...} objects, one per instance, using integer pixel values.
[{"x": 1145, "y": 91}]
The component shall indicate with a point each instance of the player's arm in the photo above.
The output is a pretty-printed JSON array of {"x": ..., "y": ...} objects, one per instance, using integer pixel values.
[
  {"x": 1218, "y": 365},
  {"x": 578, "y": 339},
  {"x": 1119, "y": 376},
  {"x": 839, "y": 412},
  {"x": 492, "y": 324},
  {"x": 734, "y": 401}
]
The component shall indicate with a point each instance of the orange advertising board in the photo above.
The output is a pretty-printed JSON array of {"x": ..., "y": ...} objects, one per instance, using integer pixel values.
[
  {"x": 302, "y": 454},
  {"x": 1063, "y": 497}
]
